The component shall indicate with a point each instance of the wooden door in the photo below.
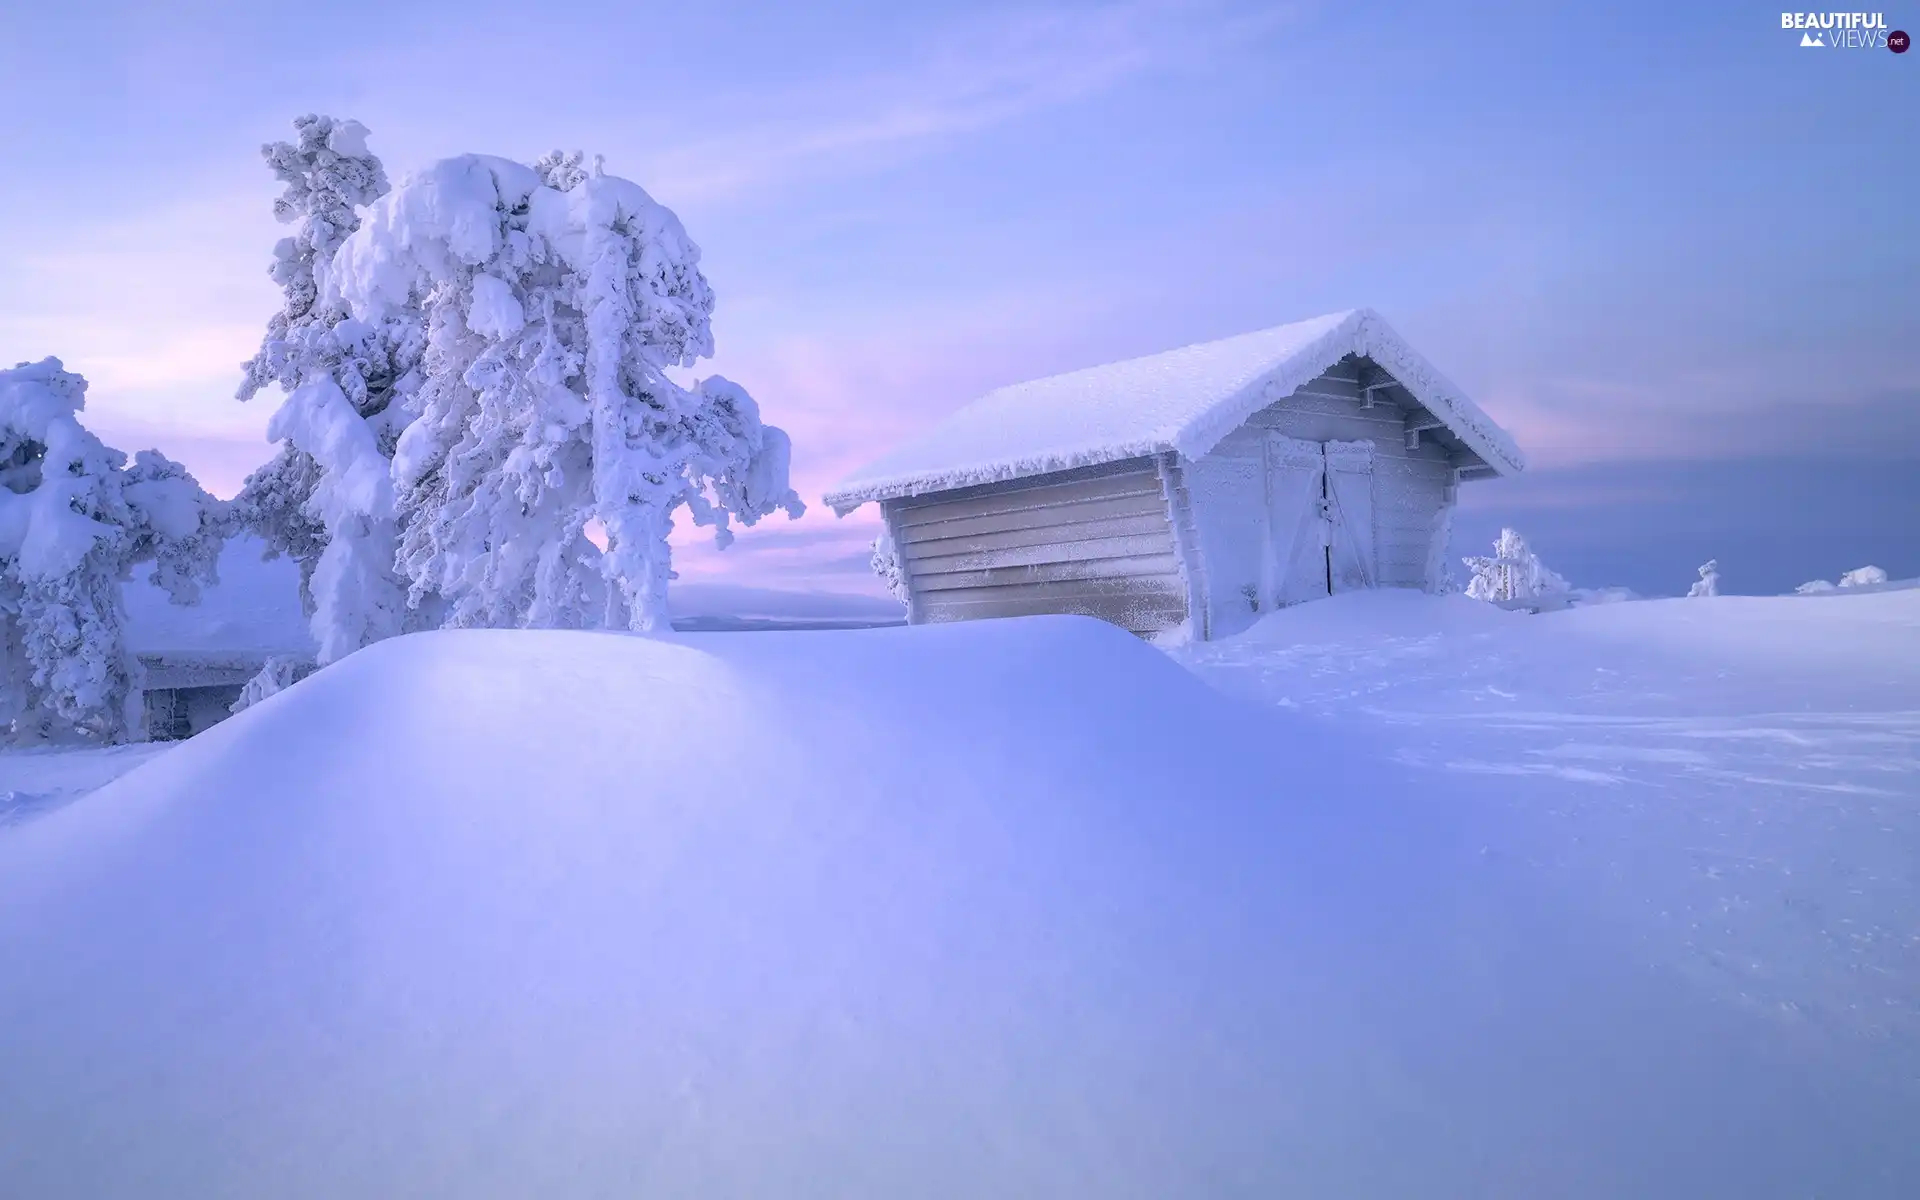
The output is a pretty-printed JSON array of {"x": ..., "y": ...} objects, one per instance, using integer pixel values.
[
  {"x": 1351, "y": 561},
  {"x": 1297, "y": 520}
]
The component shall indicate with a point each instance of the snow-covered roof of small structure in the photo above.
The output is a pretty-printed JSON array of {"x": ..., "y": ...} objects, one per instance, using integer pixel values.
[
  {"x": 1184, "y": 400},
  {"x": 253, "y": 612}
]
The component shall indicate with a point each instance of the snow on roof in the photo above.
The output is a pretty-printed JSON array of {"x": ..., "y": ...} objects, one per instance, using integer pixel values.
[
  {"x": 253, "y": 612},
  {"x": 1184, "y": 400}
]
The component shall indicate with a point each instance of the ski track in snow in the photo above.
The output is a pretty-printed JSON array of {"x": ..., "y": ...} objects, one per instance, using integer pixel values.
[{"x": 1679, "y": 786}]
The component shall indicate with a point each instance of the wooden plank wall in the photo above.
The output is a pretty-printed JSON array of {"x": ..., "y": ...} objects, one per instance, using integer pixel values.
[
  {"x": 1095, "y": 541},
  {"x": 1410, "y": 486}
]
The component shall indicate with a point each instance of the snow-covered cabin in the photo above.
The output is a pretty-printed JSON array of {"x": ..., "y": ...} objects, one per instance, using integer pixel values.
[
  {"x": 1201, "y": 486},
  {"x": 197, "y": 657}
]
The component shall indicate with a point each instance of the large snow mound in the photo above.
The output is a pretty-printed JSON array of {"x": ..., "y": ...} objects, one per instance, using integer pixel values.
[
  {"x": 1002, "y": 909},
  {"x": 1182, "y": 401}
]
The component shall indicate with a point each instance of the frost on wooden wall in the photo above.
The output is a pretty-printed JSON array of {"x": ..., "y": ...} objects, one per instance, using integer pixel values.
[
  {"x": 1439, "y": 579},
  {"x": 1095, "y": 541},
  {"x": 1228, "y": 493}
]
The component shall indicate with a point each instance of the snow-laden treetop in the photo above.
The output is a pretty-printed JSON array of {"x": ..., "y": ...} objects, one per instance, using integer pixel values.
[
  {"x": 1184, "y": 401},
  {"x": 476, "y": 211}
]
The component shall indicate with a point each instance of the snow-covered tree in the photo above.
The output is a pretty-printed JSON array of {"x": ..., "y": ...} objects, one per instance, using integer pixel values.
[
  {"x": 326, "y": 500},
  {"x": 1709, "y": 582},
  {"x": 887, "y": 565},
  {"x": 555, "y": 300},
  {"x": 75, "y": 519},
  {"x": 1813, "y": 587},
  {"x": 1513, "y": 573}
]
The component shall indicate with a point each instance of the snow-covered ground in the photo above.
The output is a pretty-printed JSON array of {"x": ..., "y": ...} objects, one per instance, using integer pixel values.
[
  {"x": 35, "y": 782},
  {"x": 1617, "y": 901},
  {"x": 1737, "y": 776}
]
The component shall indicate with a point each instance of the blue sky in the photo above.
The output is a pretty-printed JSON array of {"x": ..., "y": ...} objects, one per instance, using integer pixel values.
[{"x": 1672, "y": 251}]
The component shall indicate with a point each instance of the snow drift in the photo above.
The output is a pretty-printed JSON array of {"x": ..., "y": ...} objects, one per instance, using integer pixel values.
[{"x": 1000, "y": 909}]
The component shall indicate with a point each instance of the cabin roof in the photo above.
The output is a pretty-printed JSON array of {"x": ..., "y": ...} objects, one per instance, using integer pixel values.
[{"x": 1184, "y": 400}]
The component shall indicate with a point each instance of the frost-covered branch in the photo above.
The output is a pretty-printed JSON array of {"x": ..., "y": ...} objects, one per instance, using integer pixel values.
[
  {"x": 887, "y": 565},
  {"x": 276, "y": 675}
]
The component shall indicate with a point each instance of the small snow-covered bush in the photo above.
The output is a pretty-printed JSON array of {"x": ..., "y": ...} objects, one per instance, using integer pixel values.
[
  {"x": 1514, "y": 572},
  {"x": 1863, "y": 577},
  {"x": 1709, "y": 582},
  {"x": 1857, "y": 578},
  {"x": 75, "y": 519}
]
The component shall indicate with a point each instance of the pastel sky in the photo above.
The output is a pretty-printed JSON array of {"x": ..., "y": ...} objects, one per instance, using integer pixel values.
[{"x": 1672, "y": 251}]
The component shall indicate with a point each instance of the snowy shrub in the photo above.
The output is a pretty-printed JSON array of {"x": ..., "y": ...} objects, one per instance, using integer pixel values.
[
  {"x": 1863, "y": 577},
  {"x": 74, "y": 521},
  {"x": 1858, "y": 577},
  {"x": 326, "y": 499},
  {"x": 1513, "y": 573},
  {"x": 887, "y": 565},
  {"x": 1709, "y": 582},
  {"x": 276, "y": 676},
  {"x": 555, "y": 299}
]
